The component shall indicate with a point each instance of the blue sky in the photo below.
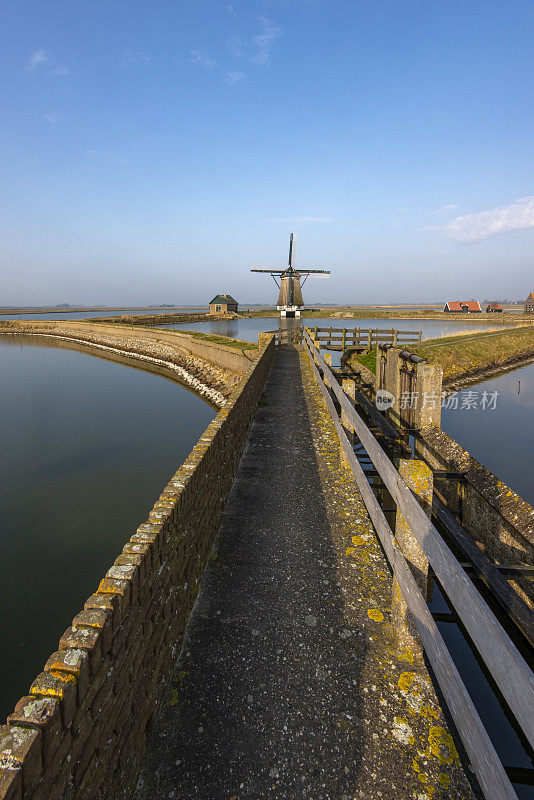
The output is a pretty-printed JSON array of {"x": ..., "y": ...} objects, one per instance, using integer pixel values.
[{"x": 151, "y": 152}]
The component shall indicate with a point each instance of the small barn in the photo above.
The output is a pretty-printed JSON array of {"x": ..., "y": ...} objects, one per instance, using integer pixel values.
[
  {"x": 223, "y": 304},
  {"x": 494, "y": 308},
  {"x": 529, "y": 304},
  {"x": 463, "y": 307}
]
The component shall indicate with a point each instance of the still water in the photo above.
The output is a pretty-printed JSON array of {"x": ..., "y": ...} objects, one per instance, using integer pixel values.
[
  {"x": 500, "y": 437},
  {"x": 87, "y": 446},
  {"x": 100, "y": 312},
  {"x": 248, "y": 329}
]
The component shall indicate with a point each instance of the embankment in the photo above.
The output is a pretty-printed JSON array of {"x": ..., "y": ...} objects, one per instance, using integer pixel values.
[
  {"x": 209, "y": 368},
  {"x": 80, "y": 732},
  {"x": 468, "y": 358}
]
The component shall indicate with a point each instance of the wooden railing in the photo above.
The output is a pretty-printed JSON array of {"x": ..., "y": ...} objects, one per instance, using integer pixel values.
[
  {"x": 341, "y": 338},
  {"x": 508, "y": 669}
]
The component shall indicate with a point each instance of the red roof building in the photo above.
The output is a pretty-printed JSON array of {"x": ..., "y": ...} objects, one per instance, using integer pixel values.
[
  {"x": 494, "y": 308},
  {"x": 463, "y": 307}
]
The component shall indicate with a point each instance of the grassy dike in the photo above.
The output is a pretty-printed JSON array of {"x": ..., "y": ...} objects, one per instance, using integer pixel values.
[{"x": 469, "y": 356}]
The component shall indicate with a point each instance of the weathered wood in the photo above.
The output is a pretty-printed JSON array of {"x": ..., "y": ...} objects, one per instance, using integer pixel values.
[
  {"x": 480, "y": 750},
  {"x": 492, "y": 577},
  {"x": 506, "y": 665}
]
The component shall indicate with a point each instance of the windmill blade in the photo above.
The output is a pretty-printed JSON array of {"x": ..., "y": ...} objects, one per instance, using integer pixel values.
[
  {"x": 303, "y": 271},
  {"x": 267, "y": 269}
]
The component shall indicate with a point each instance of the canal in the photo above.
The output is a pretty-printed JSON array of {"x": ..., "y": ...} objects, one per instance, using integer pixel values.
[
  {"x": 87, "y": 446},
  {"x": 248, "y": 329}
]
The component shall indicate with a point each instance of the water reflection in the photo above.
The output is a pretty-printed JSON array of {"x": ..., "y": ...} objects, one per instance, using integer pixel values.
[
  {"x": 248, "y": 329},
  {"x": 87, "y": 445},
  {"x": 502, "y": 439}
]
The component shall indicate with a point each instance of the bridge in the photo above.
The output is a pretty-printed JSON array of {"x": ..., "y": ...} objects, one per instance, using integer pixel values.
[{"x": 267, "y": 631}]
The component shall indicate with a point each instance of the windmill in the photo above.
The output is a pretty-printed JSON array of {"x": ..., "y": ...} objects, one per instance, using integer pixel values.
[{"x": 290, "y": 294}]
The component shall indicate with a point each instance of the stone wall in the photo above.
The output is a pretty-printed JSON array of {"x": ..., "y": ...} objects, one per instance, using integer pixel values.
[
  {"x": 80, "y": 732},
  {"x": 493, "y": 514}
]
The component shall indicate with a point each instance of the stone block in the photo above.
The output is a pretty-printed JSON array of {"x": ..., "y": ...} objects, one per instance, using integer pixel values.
[
  {"x": 10, "y": 783},
  {"x": 98, "y": 618},
  {"x": 20, "y": 749},
  {"x": 88, "y": 639},
  {"x": 42, "y": 714},
  {"x": 63, "y": 687},
  {"x": 75, "y": 662}
]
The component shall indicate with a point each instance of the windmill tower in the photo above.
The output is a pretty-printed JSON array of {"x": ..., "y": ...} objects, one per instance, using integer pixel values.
[{"x": 290, "y": 294}]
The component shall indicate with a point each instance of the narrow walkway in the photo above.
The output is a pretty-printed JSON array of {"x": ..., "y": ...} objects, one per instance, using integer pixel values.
[{"x": 288, "y": 685}]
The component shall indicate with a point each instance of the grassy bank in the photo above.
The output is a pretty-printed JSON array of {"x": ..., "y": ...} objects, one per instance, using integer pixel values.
[
  {"x": 460, "y": 356},
  {"x": 468, "y": 353},
  {"x": 239, "y": 344}
]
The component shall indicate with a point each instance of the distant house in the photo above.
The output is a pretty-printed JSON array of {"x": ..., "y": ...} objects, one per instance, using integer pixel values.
[
  {"x": 463, "y": 307},
  {"x": 529, "y": 304},
  {"x": 494, "y": 308},
  {"x": 223, "y": 304}
]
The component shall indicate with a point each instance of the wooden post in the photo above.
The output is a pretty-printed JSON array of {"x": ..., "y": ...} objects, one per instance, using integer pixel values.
[
  {"x": 330, "y": 337},
  {"x": 370, "y": 339},
  {"x": 419, "y": 478},
  {"x": 327, "y": 360},
  {"x": 428, "y": 387},
  {"x": 349, "y": 387},
  {"x": 395, "y": 334},
  {"x": 344, "y": 341},
  {"x": 420, "y": 335}
]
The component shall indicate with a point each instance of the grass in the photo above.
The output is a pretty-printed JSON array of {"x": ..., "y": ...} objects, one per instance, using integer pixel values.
[
  {"x": 239, "y": 344},
  {"x": 367, "y": 359},
  {"x": 467, "y": 352},
  {"x": 470, "y": 352}
]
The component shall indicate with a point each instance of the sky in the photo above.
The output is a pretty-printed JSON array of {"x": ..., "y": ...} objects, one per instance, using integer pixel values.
[{"x": 151, "y": 152}]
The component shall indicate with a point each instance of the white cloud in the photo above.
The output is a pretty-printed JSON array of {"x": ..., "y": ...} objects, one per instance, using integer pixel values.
[
  {"x": 53, "y": 118},
  {"x": 38, "y": 58},
  {"x": 59, "y": 71},
  {"x": 128, "y": 58},
  {"x": 257, "y": 50},
  {"x": 476, "y": 227},
  {"x": 233, "y": 77},
  {"x": 199, "y": 57}
]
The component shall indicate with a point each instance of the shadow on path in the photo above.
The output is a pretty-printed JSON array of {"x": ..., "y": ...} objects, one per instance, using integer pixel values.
[{"x": 264, "y": 699}]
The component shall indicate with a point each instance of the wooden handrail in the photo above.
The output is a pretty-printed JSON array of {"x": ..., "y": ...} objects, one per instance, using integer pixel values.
[{"x": 505, "y": 663}]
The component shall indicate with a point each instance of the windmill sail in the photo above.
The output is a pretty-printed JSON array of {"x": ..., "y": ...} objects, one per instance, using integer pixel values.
[{"x": 290, "y": 295}]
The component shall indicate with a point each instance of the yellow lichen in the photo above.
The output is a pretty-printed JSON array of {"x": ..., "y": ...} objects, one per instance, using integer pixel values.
[
  {"x": 444, "y": 779},
  {"x": 375, "y": 615},
  {"x": 442, "y": 745},
  {"x": 406, "y": 655}
]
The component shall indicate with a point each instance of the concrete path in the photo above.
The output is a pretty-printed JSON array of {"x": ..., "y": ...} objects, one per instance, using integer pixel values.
[{"x": 288, "y": 685}]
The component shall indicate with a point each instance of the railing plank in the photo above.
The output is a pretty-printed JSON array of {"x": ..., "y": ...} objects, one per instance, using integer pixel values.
[
  {"x": 506, "y": 665},
  {"x": 507, "y": 597},
  {"x": 480, "y": 750}
]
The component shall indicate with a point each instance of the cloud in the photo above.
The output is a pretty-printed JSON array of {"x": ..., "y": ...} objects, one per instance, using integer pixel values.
[
  {"x": 53, "y": 118},
  {"x": 59, "y": 71},
  {"x": 199, "y": 57},
  {"x": 476, "y": 227},
  {"x": 257, "y": 50},
  {"x": 38, "y": 58},
  {"x": 128, "y": 58},
  {"x": 233, "y": 77}
]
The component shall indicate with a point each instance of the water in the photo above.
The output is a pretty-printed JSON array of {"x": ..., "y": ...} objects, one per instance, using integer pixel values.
[
  {"x": 100, "y": 312},
  {"x": 87, "y": 446},
  {"x": 501, "y": 438},
  {"x": 248, "y": 329}
]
